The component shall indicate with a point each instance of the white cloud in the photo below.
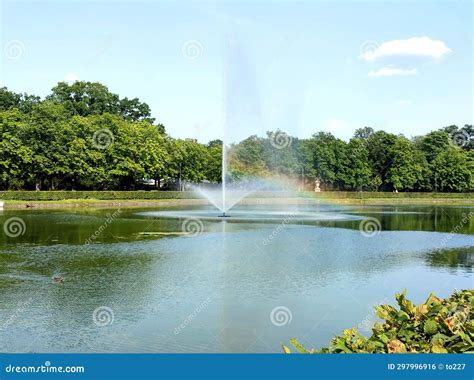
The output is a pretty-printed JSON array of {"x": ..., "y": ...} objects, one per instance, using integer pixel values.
[
  {"x": 71, "y": 77},
  {"x": 390, "y": 72},
  {"x": 416, "y": 46}
]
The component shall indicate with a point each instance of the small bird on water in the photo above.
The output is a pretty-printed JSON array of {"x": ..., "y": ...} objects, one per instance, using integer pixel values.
[{"x": 57, "y": 279}]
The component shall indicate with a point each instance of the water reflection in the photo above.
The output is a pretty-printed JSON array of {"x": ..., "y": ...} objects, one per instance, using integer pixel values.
[
  {"x": 327, "y": 273},
  {"x": 452, "y": 258}
]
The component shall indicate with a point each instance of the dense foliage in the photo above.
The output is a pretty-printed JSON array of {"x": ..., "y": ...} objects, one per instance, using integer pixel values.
[
  {"x": 437, "y": 326},
  {"x": 84, "y": 137},
  {"x": 59, "y": 195},
  {"x": 442, "y": 160}
]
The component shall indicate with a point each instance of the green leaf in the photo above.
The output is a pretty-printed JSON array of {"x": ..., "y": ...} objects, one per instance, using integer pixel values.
[
  {"x": 430, "y": 327},
  {"x": 286, "y": 350}
]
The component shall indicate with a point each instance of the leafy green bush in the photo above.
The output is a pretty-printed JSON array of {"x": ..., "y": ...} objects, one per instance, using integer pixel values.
[
  {"x": 116, "y": 195},
  {"x": 103, "y": 195},
  {"x": 119, "y": 195},
  {"x": 401, "y": 195},
  {"x": 437, "y": 326}
]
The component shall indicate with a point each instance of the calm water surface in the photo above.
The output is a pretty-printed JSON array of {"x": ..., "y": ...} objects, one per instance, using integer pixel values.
[{"x": 215, "y": 292}]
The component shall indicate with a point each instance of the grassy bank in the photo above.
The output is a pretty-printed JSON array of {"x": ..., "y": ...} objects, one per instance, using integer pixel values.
[
  {"x": 55, "y": 199},
  {"x": 102, "y": 203},
  {"x": 386, "y": 195},
  {"x": 381, "y": 198},
  {"x": 95, "y": 195}
]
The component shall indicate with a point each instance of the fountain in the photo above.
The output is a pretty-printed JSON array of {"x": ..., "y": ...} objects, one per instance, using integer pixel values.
[{"x": 243, "y": 119}]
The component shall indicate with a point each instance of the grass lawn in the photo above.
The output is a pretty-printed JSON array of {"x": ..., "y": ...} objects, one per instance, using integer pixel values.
[{"x": 63, "y": 199}]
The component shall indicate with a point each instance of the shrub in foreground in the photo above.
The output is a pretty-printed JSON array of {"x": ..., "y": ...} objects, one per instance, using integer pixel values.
[{"x": 435, "y": 326}]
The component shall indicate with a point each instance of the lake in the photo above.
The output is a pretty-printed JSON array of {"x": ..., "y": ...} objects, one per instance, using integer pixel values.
[{"x": 175, "y": 280}]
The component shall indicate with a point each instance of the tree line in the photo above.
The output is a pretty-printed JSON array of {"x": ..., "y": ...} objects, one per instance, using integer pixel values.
[
  {"x": 442, "y": 160},
  {"x": 84, "y": 137}
]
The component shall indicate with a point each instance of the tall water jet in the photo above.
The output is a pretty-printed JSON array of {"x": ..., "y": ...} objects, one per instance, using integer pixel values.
[
  {"x": 242, "y": 118},
  {"x": 242, "y": 112},
  {"x": 224, "y": 172}
]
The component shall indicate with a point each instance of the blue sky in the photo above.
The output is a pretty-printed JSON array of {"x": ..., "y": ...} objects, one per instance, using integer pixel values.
[{"x": 251, "y": 66}]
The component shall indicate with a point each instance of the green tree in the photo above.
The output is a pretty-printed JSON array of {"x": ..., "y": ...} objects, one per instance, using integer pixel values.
[
  {"x": 279, "y": 153},
  {"x": 435, "y": 143},
  {"x": 380, "y": 155},
  {"x": 15, "y": 155},
  {"x": 364, "y": 133},
  {"x": 358, "y": 157},
  {"x": 213, "y": 170},
  {"x": 452, "y": 171},
  {"x": 124, "y": 154},
  {"x": 48, "y": 136},
  {"x": 320, "y": 157},
  {"x": 10, "y": 99},
  {"x": 405, "y": 169},
  {"x": 87, "y": 164},
  {"x": 343, "y": 166},
  {"x": 247, "y": 159},
  {"x": 154, "y": 154},
  {"x": 194, "y": 164},
  {"x": 92, "y": 98}
]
